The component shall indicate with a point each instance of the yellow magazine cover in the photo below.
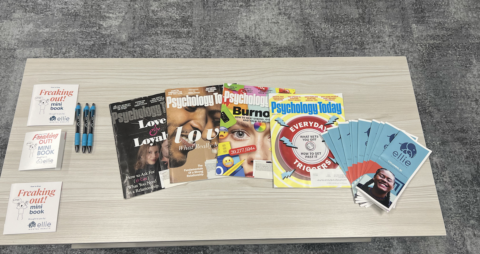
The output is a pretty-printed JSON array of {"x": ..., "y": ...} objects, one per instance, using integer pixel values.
[{"x": 300, "y": 157}]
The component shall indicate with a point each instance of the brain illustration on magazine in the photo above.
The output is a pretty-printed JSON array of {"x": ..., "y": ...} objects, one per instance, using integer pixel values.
[{"x": 301, "y": 146}]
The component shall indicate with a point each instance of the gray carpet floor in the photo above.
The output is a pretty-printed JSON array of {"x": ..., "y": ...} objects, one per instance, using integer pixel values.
[{"x": 441, "y": 39}]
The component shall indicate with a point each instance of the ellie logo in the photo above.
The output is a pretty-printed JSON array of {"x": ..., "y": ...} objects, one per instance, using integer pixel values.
[
  {"x": 408, "y": 149},
  {"x": 59, "y": 119}
]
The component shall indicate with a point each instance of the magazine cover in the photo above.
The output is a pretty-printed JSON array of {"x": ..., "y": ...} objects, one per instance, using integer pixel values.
[
  {"x": 32, "y": 208},
  {"x": 244, "y": 128},
  {"x": 140, "y": 132},
  {"x": 193, "y": 117},
  {"x": 52, "y": 105},
  {"x": 300, "y": 157},
  {"x": 43, "y": 150}
]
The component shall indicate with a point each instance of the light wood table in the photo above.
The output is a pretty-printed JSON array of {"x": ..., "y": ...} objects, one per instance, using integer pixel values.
[{"x": 93, "y": 212}]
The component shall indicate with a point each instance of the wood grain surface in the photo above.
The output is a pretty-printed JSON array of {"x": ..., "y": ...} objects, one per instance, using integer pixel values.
[{"x": 231, "y": 210}]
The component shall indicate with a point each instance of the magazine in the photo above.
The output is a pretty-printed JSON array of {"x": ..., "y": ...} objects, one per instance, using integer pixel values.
[
  {"x": 32, "y": 208},
  {"x": 244, "y": 128},
  {"x": 52, "y": 105},
  {"x": 43, "y": 150},
  {"x": 193, "y": 117},
  {"x": 300, "y": 157},
  {"x": 140, "y": 132}
]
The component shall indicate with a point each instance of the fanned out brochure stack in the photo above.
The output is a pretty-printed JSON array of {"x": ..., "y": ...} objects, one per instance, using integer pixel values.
[{"x": 378, "y": 159}]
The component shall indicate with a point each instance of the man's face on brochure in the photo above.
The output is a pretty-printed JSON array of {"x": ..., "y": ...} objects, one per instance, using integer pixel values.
[
  {"x": 198, "y": 118},
  {"x": 243, "y": 133},
  {"x": 384, "y": 181}
]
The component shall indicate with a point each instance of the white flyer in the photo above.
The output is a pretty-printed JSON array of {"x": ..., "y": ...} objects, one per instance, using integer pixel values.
[
  {"x": 32, "y": 208},
  {"x": 52, "y": 105}
]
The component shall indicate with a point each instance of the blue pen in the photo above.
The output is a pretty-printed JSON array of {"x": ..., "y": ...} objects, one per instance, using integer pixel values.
[
  {"x": 85, "y": 128},
  {"x": 92, "y": 124},
  {"x": 78, "y": 109}
]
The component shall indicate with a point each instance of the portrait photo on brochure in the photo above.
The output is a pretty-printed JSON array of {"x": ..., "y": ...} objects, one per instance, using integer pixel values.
[{"x": 382, "y": 186}]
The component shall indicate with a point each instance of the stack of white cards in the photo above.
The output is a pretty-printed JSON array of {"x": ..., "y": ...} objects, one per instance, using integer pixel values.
[{"x": 43, "y": 150}]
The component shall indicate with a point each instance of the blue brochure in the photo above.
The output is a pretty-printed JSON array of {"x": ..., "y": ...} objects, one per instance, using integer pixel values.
[
  {"x": 328, "y": 140},
  {"x": 386, "y": 136},
  {"x": 377, "y": 137},
  {"x": 344, "y": 129},
  {"x": 371, "y": 139},
  {"x": 336, "y": 139},
  {"x": 354, "y": 134},
  {"x": 363, "y": 133},
  {"x": 398, "y": 163}
]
